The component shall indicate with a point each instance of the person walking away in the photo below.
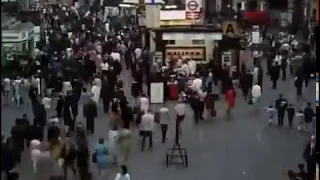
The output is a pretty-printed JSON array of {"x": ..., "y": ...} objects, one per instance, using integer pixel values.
[
  {"x": 82, "y": 158},
  {"x": 256, "y": 95},
  {"x": 300, "y": 119},
  {"x": 284, "y": 67},
  {"x": 18, "y": 137},
  {"x": 16, "y": 92},
  {"x": 90, "y": 112},
  {"x": 59, "y": 106},
  {"x": 35, "y": 153},
  {"x": 231, "y": 100},
  {"x": 113, "y": 137},
  {"x": 105, "y": 95},
  {"x": 124, "y": 145},
  {"x": 124, "y": 175},
  {"x": 115, "y": 118},
  {"x": 195, "y": 104},
  {"x": 164, "y": 120},
  {"x": 68, "y": 111},
  {"x": 144, "y": 103},
  {"x": 68, "y": 154},
  {"x": 274, "y": 74},
  {"x": 291, "y": 113},
  {"x": 46, "y": 101},
  {"x": 271, "y": 113},
  {"x": 302, "y": 174},
  {"x": 309, "y": 155},
  {"x": 101, "y": 152},
  {"x": 6, "y": 90},
  {"x": 281, "y": 105},
  {"x": 298, "y": 82},
  {"x": 308, "y": 115},
  {"x": 146, "y": 129},
  {"x": 96, "y": 90},
  {"x": 53, "y": 136}
]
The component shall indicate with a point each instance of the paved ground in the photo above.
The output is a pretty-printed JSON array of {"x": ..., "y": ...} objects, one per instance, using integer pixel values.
[{"x": 242, "y": 148}]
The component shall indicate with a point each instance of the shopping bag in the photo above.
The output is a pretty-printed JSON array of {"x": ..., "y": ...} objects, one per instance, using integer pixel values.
[
  {"x": 94, "y": 157},
  {"x": 60, "y": 162}
]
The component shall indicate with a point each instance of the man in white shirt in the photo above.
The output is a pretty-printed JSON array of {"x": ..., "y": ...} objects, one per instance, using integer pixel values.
[
  {"x": 256, "y": 94},
  {"x": 144, "y": 104},
  {"x": 138, "y": 53},
  {"x": 115, "y": 56},
  {"x": 192, "y": 66},
  {"x": 164, "y": 121},
  {"x": 197, "y": 84},
  {"x": 180, "y": 110},
  {"x": 146, "y": 128}
]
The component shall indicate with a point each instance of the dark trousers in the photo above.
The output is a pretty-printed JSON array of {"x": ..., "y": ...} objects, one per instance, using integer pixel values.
[
  {"x": 164, "y": 129},
  {"x": 299, "y": 92},
  {"x": 197, "y": 115},
  {"x": 306, "y": 81},
  {"x": 67, "y": 166},
  {"x": 90, "y": 124},
  {"x": 274, "y": 84},
  {"x": 290, "y": 120},
  {"x": 284, "y": 74},
  {"x": 146, "y": 134},
  {"x": 106, "y": 103},
  {"x": 280, "y": 117},
  {"x": 83, "y": 173}
]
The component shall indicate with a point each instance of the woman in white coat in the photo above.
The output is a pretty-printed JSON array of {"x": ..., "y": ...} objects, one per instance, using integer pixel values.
[{"x": 96, "y": 89}]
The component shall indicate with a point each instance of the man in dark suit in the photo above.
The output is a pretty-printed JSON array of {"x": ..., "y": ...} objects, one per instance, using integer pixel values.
[
  {"x": 309, "y": 155},
  {"x": 90, "y": 113}
]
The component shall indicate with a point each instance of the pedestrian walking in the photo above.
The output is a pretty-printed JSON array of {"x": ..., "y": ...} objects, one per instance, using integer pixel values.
[
  {"x": 90, "y": 112},
  {"x": 291, "y": 113},
  {"x": 146, "y": 129},
  {"x": 68, "y": 154},
  {"x": 308, "y": 116},
  {"x": 123, "y": 175},
  {"x": 124, "y": 145},
  {"x": 281, "y": 105},
  {"x": 101, "y": 152},
  {"x": 113, "y": 137},
  {"x": 164, "y": 120},
  {"x": 270, "y": 113}
]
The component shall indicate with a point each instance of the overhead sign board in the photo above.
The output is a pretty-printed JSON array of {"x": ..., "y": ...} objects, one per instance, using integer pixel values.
[
  {"x": 193, "y": 9},
  {"x": 230, "y": 28},
  {"x": 195, "y": 53},
  {"x": 176, "y": 23}
]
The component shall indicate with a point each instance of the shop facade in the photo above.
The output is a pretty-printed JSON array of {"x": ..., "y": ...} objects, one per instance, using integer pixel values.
[{"x": 14, "y": 42}]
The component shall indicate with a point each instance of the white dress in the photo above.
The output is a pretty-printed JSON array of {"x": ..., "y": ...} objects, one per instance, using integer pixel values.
[{"x": 113, "y": 137}]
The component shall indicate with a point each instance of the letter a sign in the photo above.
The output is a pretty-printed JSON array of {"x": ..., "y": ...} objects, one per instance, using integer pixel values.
[{"x": 230, "y": 28}]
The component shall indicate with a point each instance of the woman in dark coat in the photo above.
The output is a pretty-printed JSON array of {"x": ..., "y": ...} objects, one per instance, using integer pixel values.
[{"x": 59, "y": 108}]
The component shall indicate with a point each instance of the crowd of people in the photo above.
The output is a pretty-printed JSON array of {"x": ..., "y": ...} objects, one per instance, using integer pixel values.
[{"x": 80, "y": 63}]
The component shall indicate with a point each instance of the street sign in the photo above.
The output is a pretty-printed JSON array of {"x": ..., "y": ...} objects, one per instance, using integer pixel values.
[
  {"x": 192, "y": 15},
  {"x": 193, "y": 6}
]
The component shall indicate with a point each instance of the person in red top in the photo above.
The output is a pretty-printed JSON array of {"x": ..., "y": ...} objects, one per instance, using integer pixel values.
[{"x": 231, "y": 100}]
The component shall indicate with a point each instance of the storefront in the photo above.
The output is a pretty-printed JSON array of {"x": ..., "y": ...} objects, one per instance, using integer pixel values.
[
  {"x": 178, "y": 36},
  {"x": 18, "y": 40},
  {"x": 196, "y": 43},
  {"x": 227, "y": 50}
]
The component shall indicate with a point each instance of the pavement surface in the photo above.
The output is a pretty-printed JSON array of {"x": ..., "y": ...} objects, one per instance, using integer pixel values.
[{"x": 241, "y": 148}]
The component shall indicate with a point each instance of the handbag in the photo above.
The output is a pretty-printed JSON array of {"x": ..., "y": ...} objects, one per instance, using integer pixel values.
[{"x": 94, "y": 157}]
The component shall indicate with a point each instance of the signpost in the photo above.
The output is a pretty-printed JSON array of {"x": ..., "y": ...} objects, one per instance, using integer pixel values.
[{"x": 193, "y": 9}]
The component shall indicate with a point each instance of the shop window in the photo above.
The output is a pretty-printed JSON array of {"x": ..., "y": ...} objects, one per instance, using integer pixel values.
[
  {"x": 198, "y": 42},
  {"x": 170, "y": 42}
]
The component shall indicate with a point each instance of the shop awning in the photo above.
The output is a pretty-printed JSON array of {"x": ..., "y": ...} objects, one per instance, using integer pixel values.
[{"x": 257, "y": 17}]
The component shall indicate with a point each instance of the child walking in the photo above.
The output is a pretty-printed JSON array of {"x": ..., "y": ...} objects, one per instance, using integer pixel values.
[{"x": 271, "y": 113}]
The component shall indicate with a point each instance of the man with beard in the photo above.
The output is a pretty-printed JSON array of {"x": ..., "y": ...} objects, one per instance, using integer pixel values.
[{"x": 69, "y": 111}]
